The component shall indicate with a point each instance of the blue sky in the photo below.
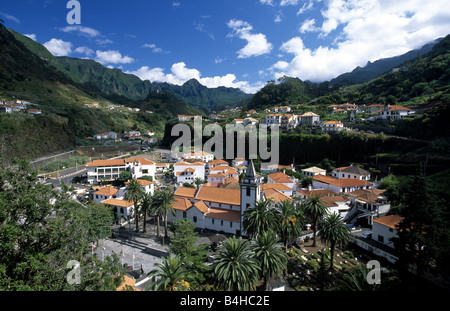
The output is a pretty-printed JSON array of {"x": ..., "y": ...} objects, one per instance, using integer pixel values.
[{"x": 232, "y": 43}]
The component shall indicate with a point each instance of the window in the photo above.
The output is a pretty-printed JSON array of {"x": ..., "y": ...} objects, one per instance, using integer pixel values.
[
  {"x": 231, "y": 224},
  {"x": 184, "y": 215},
  {"x": 212, "y": 221},
  {"x": 381, "y": 239},
  {"x": 248, "y": 191},
  {"x": 221, "y": 222},
  {"x": 194, "y": 218}
]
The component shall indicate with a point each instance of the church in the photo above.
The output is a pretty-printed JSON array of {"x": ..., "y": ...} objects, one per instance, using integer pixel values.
[{"x": 218, "y": 209}]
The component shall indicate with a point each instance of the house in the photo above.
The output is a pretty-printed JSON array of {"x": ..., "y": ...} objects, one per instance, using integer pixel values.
[
  {"x": 105, "y": 193},
  {"x": 6, "y": 109},
  {"x": 132, "y": 135},
  {"x": 332, "y": 126},
  {"x": 147, "y": 186},
  {"x": 351, "y": 171},
  {"x": 280, "y": 187},
  {"x": 342, "y": 185},
  {"x": 199, "y": 155},
  {"x": 313, "y": 171},
  {"x": 238, "y": 161},
  {"x": 188, "y": 118},
  {"x": 34, "y": 111},
  {"x": 337, "y": 204},
  {"x": 162, "y": 167},
  {"x": 187, "y": 172},
  {"x": 250, "y": 120},
  {"x": 108, "y": 170},
  {"x": 123, "y": 210},
  {"x": 282, "y": 109},
  {"x": 394, "y": 112},
  {"x": 107, "y": 135},
  {"x": 217, "y": 162},
  {"x": 281, "y": 178},
  {"x": 369, "y": 204},
  {"x": 384, "y": 229},
  {"x": 276, "y": 196},
  {"x": 309, "y": 118},
  {"x": 307, "y": 193},
  {"x": 273, "y": 119}
]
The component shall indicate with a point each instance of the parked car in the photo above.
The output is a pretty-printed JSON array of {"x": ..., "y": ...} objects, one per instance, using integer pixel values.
[{"x": 367, "y": 235}]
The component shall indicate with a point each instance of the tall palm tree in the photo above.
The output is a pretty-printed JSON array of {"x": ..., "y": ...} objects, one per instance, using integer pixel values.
[
  {"x": 135, "y": 193},
  {"x": 157, "y": 210},
  {"x": 172, "y": 273},
  {"x": 315, "y": 210},
  {"x": 290, "y": 221},
  {"x": 271, "y": 258},
  {"x": 147, "y": 203},
  {"x": 259, "y": 218},
  {"x": 166, "y": 199},
  {"x": 334, "y": 231},
  {"x": 236, "y": 269}
]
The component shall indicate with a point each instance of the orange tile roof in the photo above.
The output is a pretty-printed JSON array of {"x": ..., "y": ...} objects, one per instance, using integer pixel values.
[
  {"x": 398, "y": 108},
  {"x": 280, "y": 177},
  {"x": 143, "y": 161},
  {"x": 189, "y": 164},
  {"x": 181, "y": 204},
  {"x": 201, "y": 206},
  {"x": 117, "y": 202},
  {"x": 185, "y": 192},
  {"x": 391, "y": 221},
  {"x": 217, "y": 161},
  {"x": 219, "y": 195},
  {"x": 333, "y": 122},
  {"x": 220, "y": 174},
  {"x": 276, "y": 195},
  {"x": 332, "y": 201},
  {"x": 119, "y": 162},
  {"x": 343, "y": 182},
  {"x": 224, "y": 214},
  {"x": 107, "y": 191},
  {"x": 275, "y": 186},
  {"x": 318, "y": 192},
  {"x": 221, "y": 168}
]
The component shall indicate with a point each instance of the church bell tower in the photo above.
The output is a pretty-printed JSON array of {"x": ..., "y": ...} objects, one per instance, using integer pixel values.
[{"x": 250, "y": 191}]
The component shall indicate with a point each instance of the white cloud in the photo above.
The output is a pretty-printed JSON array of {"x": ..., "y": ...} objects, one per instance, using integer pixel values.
[
  {"x": 305, "y": 7},
  {"x": 10, "y": 17},
  {"x": 363, "y": 30},
  {"x": 84, "y": 50},
  {"x": 180, "y": 74},
  {"x": 257, "y": 44},
  {"x": 103, "y": 41},
  {"x": 176, "y": 4},
  {"x": 288, "y": 2},
  {"x": 155, "y": 49},
  {"x": 58, "y": 47},
  {"x": 31, "y": 36},
  {"x": 81, "y": 30},
  {"x": 268, "y": 2},
  {"x": 112, "y": 57},
  {"x": 309, "y": 26}
]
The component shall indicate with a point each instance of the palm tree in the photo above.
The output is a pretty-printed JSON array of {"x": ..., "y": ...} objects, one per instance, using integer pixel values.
[
  {"x": 259, "y": 218},
  {"x": 236, "y": 269},
  {"x": 271, "y": 258},
  {"x": 156, "y": 209},
  {"x": 315, "y": 210},
  {"x": 334, "y": 231},
  {"x": 198, "y": 182},
  {"x": 172, "y": 275},
  {"x": 166, "y": 199},
  {"x": 290, "y": 221},
  {"x": 135, "y": 193},
  {"x": 147, "y": 203}
]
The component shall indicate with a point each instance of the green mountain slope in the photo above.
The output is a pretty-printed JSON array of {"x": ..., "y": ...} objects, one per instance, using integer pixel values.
[{"x": 379, "y": 67}]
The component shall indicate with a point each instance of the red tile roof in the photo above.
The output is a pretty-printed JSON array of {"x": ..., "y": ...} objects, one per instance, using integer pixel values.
[{"x": 343, "y": 182}]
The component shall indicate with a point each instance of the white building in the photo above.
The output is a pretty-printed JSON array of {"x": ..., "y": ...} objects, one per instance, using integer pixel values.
[
  {"x": 351, "y": 171},
  {"x": 199, "y": 155},
  {"x": 394, "y": 112},
  {"x": 281, "y": 178},
  {"x": 342, "y": 185},
  {"x": 187, "y": 172},
  {"x": 313, "y": 171},
  {"x": 332, "y": 126},
  {"x": 384, "y": 229},
  {"x": 108, "y": 170},
  {"x": 309, "y": 118}
]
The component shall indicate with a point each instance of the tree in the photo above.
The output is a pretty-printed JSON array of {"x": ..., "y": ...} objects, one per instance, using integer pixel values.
[
  {"x": 165, "y": 199},
  {"x": 157, "y": 209},
  {"x": 147, "y": 203},
  {"x": 271, "y": 258},
  {"x": 259, "y": 218},
  {"x": 43, "y": 230},
  {"x": 183, "y": 244},
  {"x": 356, "y": 280},
  {"x": 172, "y": 275},
  {"x": 235, "y": 267},
  {"x": 314, "y": 208},
  {"x": 334, "y": 231},
  {"x": 135, "y": 193},
  {"x": 124, "y": 177},
  {"x": 198, "y": 182},
  {"x": 290, "y": 221}
]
